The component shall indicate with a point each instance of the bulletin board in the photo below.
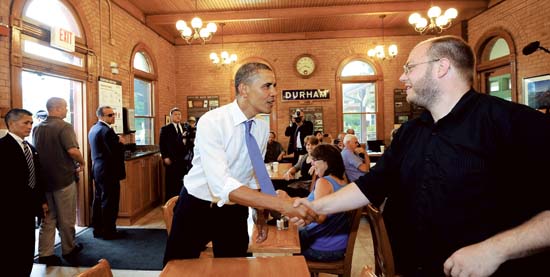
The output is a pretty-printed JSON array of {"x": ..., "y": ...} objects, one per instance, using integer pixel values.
[
  {"x": 110, "y": 94},
  {"x": 200, "y": 104}
]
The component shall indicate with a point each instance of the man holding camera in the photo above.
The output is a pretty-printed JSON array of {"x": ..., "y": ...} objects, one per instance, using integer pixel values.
[{"x": 298, "y": 130}]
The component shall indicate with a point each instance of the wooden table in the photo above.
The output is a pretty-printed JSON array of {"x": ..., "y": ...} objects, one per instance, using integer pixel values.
[
  {"x": 278, "y": 241},
  {"x": 259, "y": 266},
  {"x": 283, "y": 167}
]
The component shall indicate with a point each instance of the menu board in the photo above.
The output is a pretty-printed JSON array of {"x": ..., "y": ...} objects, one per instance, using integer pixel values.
[
  {"x": 200, "y": 104},
  {"x": 313, "y": 114},
  {"x": 110, "y": 94}
]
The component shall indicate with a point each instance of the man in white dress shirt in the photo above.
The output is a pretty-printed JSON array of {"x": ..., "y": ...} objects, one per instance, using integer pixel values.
[{"x": 213, "y": 206}]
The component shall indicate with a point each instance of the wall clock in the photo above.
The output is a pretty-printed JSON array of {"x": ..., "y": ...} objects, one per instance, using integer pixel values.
[{"x": 305, "y": 65}]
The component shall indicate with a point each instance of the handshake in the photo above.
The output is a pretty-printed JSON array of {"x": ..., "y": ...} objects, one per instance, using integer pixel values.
[{"x": 299, "y": 210}]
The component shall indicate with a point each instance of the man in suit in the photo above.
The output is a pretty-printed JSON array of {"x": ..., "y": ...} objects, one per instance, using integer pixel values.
[
  {"x": 61, "y": 161},
  {"x": 298, "y": 131},
  {"x": 23, "y": 197},
  {"x": 173, "y": 150},
  {"x": 107, "y": 169}
]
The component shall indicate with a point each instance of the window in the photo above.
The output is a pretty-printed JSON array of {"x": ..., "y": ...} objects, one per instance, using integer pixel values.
[
  {"x": 52, "y": 13},
  {"x": 143, "y": 100},
  {"x": 359, "y": 100},
  {"x": 496, "y": 67},
  {"x": 43, "y": 51}
]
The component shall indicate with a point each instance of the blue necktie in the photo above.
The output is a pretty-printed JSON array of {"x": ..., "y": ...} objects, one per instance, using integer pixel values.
[{"x": 257, "y": 161}]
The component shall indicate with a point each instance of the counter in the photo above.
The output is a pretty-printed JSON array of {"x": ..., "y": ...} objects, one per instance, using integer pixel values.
[{"x": 140, "y": 192}]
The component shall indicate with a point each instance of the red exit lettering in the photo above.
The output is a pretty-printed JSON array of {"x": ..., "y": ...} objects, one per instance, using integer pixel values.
[{"x": 65, "y": 36}]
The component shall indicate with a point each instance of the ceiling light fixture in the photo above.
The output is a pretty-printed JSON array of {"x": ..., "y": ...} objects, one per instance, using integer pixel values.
[
  {"x": 379, "y": 51},
  {"x": 196, "y": 31},
  {"x": 438, "y": 22},
  {"x": 225, "y": 57}
]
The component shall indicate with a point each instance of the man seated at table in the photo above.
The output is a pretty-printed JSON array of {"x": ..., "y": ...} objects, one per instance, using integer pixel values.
[
  {"x": 355, "y": 165},
  {"x": 275, "y": 151},
  {"x": 326, "y": 238}
]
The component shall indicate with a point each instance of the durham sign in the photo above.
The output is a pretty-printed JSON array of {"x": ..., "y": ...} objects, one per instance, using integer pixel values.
[{"x": 306, "y": 94}]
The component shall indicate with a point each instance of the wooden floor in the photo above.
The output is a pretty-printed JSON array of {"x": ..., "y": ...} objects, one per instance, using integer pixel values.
[{"x": 363, "y": 252}]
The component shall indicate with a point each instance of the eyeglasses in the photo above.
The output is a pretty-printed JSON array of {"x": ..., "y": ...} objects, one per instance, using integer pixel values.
[
  {"x": 409, "y": 66},
  {"x": 110, "y": 115}
]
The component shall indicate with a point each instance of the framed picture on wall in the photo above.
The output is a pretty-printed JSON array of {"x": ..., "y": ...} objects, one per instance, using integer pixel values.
[{"x": 536, "y": 92}]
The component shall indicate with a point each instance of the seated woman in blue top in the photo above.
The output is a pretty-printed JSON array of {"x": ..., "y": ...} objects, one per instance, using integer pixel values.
[{"x": 326, "y": 239}]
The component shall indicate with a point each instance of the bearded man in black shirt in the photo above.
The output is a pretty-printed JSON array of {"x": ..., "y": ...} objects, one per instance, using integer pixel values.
[{"x": 460, "y": 200}]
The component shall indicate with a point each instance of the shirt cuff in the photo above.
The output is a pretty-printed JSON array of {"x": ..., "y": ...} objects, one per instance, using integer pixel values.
[{"x": 230, "y": 185}]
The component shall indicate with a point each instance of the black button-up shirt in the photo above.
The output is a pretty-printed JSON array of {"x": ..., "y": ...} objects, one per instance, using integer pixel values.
[{"x": 476, "y": 172}]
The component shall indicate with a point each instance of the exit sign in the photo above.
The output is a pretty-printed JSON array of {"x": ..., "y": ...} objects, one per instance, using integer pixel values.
[{"x": 62, "y": 39}]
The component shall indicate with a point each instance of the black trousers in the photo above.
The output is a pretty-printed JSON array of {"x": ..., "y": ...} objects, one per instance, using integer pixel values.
[
  {"x": 105, "y": 207},
  {"x": 174, "y": 179},
  {"x": 196, "y": 222}
]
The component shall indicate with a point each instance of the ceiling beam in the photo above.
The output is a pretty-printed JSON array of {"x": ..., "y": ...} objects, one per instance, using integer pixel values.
[
  {"x": 310, "y": 12},
  {"x": 306, "y": 36},
  {"x": 131, "y": 9}
]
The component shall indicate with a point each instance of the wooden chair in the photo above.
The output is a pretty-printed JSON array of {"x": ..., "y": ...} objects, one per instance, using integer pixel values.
[
  {"x": 383, "y": 255},
  {"x": 367, "y": 272},
  {"x": 168, "y": 212},
  {"x": 341, "y": 267},
  {"x": 101, "y": 269}
]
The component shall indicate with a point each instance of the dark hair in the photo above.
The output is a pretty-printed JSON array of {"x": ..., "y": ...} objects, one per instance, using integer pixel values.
[
  {"x": 331, "y": 155},
  {"x": 271, "y": 132},
  {"x": 14, "y": 115},
  {"x": 175, "y": 109},
  {"x": 457, "y": 51},
  {"x": 99, "y": 111},
  {"x": 317, "y": 132},
  {"x": 246, "y": 72}
]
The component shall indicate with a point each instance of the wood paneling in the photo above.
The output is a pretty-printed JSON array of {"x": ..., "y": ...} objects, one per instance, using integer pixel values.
[{"x": 290, "y": 19}]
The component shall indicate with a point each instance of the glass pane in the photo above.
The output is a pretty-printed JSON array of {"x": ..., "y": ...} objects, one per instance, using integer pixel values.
[
  {"x": 364, "y": 125},
  {"x": 357, "y": 68},
  {"x": 141, "y": 62},
  {"x": 142, "y": 98},
  {"x": 52, "y": 13},
  {"x": 500, "y": 49},
  {"x": 500, "y": 86},
  {"x": 47, "y": 52},
  {"x": 38, "y": 88},
  {"x": 144, "y": 130},
  {"x": 359, "y": 97}
]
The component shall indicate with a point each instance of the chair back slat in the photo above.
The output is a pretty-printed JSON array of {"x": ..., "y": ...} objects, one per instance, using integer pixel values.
[{"x": 383, "y": 255}]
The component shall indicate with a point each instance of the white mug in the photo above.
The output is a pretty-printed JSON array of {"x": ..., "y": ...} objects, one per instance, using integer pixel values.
[
  {"x": 275, "y": 166},
  {"x": 382, "y": 148}
]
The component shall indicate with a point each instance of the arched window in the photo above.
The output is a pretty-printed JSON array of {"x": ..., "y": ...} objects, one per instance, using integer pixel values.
[
  {"x": 144, "y": 77},
  {"x": 40, "y": 16},
  {"x": 358, "y": 84},
  {"x": 52, "y": 13},
  {"x": 496, "y": 66}
]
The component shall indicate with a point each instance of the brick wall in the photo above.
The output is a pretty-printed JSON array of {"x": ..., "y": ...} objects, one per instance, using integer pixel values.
[
  {"x": 127, "y": 32},
  {"x": 186, "y": 70},
  {"x": 196, "y": 75}
]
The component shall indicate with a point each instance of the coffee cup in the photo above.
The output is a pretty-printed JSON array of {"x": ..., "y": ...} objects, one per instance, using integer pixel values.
[
  {"x": 275, "y": 166},
  {"x": 382, "y": 148}
]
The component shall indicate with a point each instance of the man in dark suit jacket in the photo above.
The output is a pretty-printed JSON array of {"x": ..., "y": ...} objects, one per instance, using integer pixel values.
[
  {"x": 299, "y": 129},
  {"x": 23, "y": 199},
  {"x": 173, "y": 149},
  {"x": 107, "y": 169}
]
